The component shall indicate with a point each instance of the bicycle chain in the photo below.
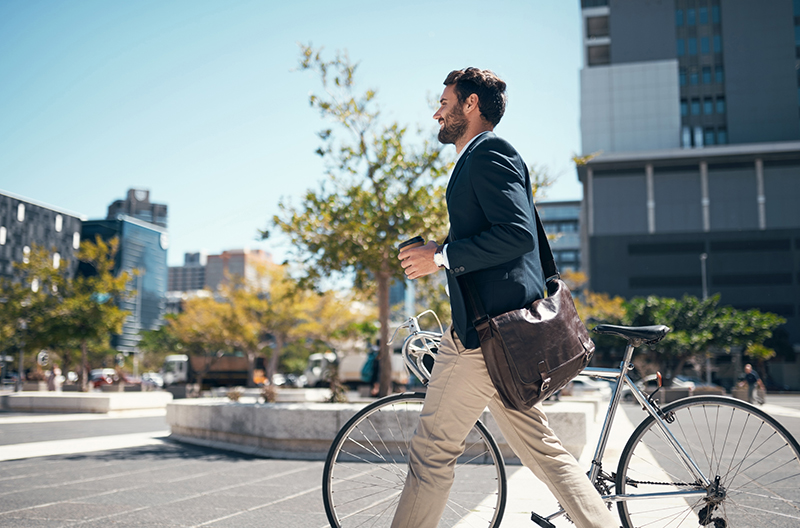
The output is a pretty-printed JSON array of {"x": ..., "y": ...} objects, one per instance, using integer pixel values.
[{"x": 634, "y": 483}]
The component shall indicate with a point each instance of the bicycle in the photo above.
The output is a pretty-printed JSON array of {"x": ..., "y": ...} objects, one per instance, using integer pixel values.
[{"x": 700, "y": 461}]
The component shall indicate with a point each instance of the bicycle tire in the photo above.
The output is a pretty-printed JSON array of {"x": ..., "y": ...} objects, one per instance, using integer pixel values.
[
  {"x": 755, "y": 458},
  {"x": 366, "y": 467}
]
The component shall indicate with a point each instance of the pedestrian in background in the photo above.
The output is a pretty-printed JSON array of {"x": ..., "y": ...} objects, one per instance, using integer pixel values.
[{"x": 754, "y": 385}]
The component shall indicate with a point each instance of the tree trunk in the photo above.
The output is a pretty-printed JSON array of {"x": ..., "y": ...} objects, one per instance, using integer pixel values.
[
  {"x": 272, "y": 364},
  {"x": 84, "y": 370},
  {"x": 384, "y": 355},
  {"x": 251, "y": 362}
]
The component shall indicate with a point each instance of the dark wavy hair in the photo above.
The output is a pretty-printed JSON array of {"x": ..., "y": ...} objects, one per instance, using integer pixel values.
[{"x": 489, "y": 88}]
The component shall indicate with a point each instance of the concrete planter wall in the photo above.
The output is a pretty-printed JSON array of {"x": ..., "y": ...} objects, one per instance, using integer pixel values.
[
  {"x": 306, "y": 430},
  {"x": 34, "y": 385},
  {"x": 88, "y": 402}
]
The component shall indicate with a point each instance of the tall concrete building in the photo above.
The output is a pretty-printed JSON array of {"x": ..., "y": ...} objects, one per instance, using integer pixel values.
[
  {"x": 561, "y": 221},
  {"x": 692, "y": 110},
  {"x": 137, "y": 205},
  {"x": 25, "y": 223},
  {"x": 243, "y": 262},
  {"x": 191, "y": 276},
  {"x": 143, "y": 248}
]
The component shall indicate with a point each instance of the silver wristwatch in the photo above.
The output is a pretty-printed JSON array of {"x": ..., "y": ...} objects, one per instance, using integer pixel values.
[{"x": 438, "y": 257}]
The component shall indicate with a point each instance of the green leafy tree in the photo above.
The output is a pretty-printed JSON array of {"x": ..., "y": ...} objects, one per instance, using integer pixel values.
[
  {"x": 27, "y": 304},
  {"x": 698, "y": 325},
  {"x": 88, "y": 312},
  {"x": 156, "y": 345},
  {"x": 381, "y": 188},
  {"x": 244, "y": 317}
]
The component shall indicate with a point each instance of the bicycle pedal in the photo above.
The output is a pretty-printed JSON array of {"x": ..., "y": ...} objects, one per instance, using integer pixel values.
[{"x": 541, "y": 521}]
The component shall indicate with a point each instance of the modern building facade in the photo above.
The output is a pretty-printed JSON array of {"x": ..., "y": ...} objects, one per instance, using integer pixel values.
[
  {"x": 137, "y": 205},
  {"x": 143, "y": 248},
  {"x": 691, "y": 109},
  {"x": 191, "y": 276},
  {"x": 247, "y": 263},
  {"x": 561, "y": 221},
  {"x": 25, "y": 223}
]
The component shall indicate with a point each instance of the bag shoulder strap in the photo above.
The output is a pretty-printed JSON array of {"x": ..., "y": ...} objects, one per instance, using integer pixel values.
[{"x": 549, "y": 270}]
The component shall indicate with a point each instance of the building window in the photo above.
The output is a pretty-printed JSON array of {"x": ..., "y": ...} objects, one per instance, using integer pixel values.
[
  {"x": 56, "y": 260},
  {"x": 695, "y": 106},
  {"x": 698, "y": 136},
  {"x": 708, "y": 136},
  {"x": 59, "y": 223},
  {"x": 720, "y": 105},
  {"x": 3, "y": 235},
  {"x": 703, "y": 14},
  {"x": 684, "y": 107},
  {"x": 681, "y": 47},
  {"x": 597, "y": 27},
  {"x": 593, "y": 3},
  {"x": 682, "y": 77},
  {"x": 679, "y": 17},
  {"x": 715, "y": 14},
  {"x": 722, "y": 136},
  {"x": 26, "y": 253},
  {"x": 599, "y": 55},
  {"x": 708, "y": 106},
  {"x": 704, "y": 47},
  {"x": 691, "y": 44},
  {"x": 76, "y": 240},
  {"x": 21, "y": 212},
  {"x": 686, "y": 137},
  {"x": 694, "y": 79},
  {"x": 719, "y": 74},
  {"x": 717, "y": 44},
  {"x": 690, "y": 17}
]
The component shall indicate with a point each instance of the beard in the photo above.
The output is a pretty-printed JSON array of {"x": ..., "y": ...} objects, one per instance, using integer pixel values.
[{"x": 455, "y": 125}]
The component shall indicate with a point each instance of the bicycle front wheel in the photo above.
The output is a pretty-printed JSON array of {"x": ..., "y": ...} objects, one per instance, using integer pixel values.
[
  {"x": 366, "y": 469},
  {"x": 753, "y": 464}
]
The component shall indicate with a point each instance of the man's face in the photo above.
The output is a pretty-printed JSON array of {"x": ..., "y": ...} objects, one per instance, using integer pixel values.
[{"x": 452, "y": 121}]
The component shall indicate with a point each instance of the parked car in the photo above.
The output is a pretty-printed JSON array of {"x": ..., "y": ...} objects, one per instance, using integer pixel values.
[
  {"x": 586, "y": 386},
  {"x": 153, "y": 379},
  {"x": 102, "y": 376}
]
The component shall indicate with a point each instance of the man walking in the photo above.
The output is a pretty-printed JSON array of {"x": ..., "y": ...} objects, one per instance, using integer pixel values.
[
  {"x": 754, "y": 383},
  {"x": 493, "y": 239}
]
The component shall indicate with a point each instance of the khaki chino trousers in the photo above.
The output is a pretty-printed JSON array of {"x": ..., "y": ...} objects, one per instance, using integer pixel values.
[{"x": 459, "y": 391}]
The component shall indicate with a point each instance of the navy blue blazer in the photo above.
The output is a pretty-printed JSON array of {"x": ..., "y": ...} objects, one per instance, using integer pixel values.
[{"x": 492, "y": 234}]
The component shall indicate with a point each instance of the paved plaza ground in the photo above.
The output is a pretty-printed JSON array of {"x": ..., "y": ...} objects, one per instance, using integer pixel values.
[{"x": 122, "y": 470}]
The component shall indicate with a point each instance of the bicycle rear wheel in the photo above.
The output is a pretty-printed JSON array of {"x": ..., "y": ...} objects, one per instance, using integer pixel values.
[
  {"x": 366, "y": 469},
  {"x": 754, "y": 459}
]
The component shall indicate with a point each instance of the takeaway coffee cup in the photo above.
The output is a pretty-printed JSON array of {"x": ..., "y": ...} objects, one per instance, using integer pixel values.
[{"x": 411, "y": 243}]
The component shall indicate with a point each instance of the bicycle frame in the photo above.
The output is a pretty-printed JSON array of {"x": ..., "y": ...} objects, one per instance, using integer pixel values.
[{"x": 413, "y": 354}]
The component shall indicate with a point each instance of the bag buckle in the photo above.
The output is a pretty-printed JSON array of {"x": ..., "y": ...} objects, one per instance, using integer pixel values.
[{"x": 543, "y": 374}]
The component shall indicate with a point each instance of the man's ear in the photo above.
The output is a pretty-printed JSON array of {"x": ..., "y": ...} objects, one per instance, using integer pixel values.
[{"x": 471, "y": 104}]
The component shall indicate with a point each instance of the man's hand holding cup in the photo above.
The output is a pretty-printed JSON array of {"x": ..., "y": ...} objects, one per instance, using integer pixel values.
[{"x": 416, "y": 257}]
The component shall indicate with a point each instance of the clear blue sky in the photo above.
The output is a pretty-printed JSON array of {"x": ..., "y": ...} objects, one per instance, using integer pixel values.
[{"x": 196, "y": 100}]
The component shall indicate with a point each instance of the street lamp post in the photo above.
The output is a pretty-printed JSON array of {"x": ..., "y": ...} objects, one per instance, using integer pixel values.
[
  {"x": 23, "y": 326},
  {"x": 704, "y": 282}
]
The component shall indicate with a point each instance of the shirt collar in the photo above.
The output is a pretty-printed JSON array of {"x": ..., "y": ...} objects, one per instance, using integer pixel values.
[{"x": 470, "y": 142}]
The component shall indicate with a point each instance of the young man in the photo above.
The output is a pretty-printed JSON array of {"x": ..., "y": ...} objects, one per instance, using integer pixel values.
[{"x": 493, "y": 240}]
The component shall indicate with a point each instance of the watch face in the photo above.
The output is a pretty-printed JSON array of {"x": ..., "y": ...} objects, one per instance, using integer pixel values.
[{"x": 164, "y": 241}]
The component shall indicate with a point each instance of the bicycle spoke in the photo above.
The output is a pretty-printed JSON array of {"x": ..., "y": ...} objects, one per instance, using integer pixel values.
[
  {"x": 755, "y": 462},
  {"x": 377, "y": 439}
]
